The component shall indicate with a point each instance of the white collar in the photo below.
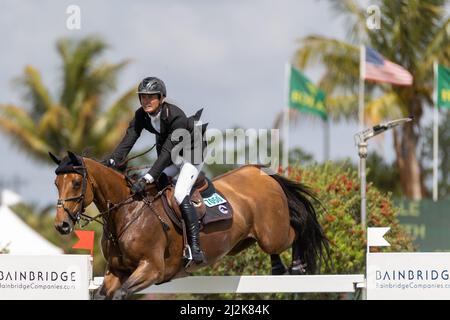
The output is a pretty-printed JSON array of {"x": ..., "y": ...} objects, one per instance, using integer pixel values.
[{"x": 155, "y": 117}]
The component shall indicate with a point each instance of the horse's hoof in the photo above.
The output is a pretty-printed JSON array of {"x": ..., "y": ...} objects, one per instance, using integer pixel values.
[
  {"x": 119, "y": 295},
  {"x": 99, "y": 294},
  {"x": 297, "y": 270}
]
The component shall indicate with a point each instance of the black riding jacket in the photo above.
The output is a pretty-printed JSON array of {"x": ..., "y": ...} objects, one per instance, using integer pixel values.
[{"x": 172, "y": 118}]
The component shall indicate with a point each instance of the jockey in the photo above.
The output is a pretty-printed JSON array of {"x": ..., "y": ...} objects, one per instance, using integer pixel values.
[{"x": 162, "y": 119}]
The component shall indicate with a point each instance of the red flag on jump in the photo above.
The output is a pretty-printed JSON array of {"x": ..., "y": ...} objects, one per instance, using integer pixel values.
[{"x": 86, "y": 240}]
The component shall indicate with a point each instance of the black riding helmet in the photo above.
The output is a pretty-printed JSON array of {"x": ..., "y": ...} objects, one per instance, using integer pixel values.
[{"x": 152, "y": 85}]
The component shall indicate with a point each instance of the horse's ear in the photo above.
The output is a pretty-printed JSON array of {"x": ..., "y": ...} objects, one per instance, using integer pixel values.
[
  {"x": 73, "y": 158},
  {"x": 54, "y": 158}
]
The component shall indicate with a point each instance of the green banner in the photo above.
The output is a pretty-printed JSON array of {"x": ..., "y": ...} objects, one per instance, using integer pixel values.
[
  {"x": 305, "y": 96},
  {"x": 443, "y": 87},
  {"x": 427, "y": 221}
]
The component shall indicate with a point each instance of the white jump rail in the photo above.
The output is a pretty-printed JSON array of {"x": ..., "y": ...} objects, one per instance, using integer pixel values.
[{"x": 256, "y": 284}]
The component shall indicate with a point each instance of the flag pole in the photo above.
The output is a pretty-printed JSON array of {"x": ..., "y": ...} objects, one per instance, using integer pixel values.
[
  {"x": 287, "y": 75},
  {"x": 435, "y": 133},
  {"x": 326, "y": 143},
  {"x": 362, "y": 61}
]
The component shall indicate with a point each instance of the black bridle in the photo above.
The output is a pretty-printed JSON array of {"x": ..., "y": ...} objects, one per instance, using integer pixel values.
[{"x": 75, "y": 217}]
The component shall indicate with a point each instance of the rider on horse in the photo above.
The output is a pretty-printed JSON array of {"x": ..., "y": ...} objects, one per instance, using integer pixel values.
[{"x": 161, "y": 118}]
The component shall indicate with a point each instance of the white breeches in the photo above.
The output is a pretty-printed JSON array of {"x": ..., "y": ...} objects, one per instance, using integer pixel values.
[{"x": 186, "y": 174}]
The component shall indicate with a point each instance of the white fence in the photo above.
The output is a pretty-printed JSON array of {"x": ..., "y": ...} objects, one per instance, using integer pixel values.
[{"x": 256, "y": 284}]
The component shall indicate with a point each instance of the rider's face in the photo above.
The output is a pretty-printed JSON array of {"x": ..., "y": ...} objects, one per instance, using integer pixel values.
[{"x": 150, "y": 102}]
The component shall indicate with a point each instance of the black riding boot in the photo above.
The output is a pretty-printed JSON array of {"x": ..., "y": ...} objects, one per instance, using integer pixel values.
[{"x": 192, "y": 228}]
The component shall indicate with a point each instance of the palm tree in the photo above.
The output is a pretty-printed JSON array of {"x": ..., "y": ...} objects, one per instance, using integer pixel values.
[
  {"x": 413, "y": 34},
  {"x": 76, "y": 118}
]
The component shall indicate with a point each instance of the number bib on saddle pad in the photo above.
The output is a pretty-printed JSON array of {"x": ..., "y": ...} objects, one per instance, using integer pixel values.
[
  {"x": 214, "y": 200},
  {"x": 217, "y": 208}
]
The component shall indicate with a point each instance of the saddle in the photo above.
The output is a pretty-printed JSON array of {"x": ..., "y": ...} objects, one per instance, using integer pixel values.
[{"x": 210, "y": 204}]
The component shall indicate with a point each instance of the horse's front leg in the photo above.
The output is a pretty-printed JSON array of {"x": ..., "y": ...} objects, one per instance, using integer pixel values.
[{"x": 146, "y": 274}]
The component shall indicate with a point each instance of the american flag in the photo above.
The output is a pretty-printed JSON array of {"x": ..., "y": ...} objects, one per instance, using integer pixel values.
[{"x": 377, "y": 68}]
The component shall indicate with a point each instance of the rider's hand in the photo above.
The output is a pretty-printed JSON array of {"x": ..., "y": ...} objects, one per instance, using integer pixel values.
[{"x": 139, "y": 186}]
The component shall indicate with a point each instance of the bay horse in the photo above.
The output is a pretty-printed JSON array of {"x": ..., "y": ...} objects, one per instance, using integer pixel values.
[{"x": 147, "y": 248}]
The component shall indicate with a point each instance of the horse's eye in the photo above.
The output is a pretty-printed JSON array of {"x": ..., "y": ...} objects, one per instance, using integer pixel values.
[{"x": 76, "y": 184}]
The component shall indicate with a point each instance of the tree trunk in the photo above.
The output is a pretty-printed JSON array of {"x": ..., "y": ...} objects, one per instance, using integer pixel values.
[{"x": 405, "y": 144}]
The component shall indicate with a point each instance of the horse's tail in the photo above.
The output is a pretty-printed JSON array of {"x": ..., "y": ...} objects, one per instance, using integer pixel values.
[{"x": 311, "y": 242}]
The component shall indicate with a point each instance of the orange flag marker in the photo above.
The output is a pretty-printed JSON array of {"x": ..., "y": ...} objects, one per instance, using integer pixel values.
[{"x": 86, "y": 240}]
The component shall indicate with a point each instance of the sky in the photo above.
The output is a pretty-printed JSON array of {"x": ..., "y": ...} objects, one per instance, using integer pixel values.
[{"x": 225, "y": 56}]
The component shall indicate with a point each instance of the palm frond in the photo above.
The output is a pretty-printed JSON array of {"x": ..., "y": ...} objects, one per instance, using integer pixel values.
[
  {"x": 103, "y": 78},
  {"x": 340, "y": 58},
  {"x": 35, "y": 91},
  {"x": 120, "y": 110},
  {"x": 54, "y": 119},
  {"x": 78, "y": 58},
  {"x": 17, "y": 115},
  {"x": 355, "y": 17},
  {"x": 77, "y": 120},
  {"x": 437, "y": 50},
  {"x": 26, "y": 139},
  {"x": 83, "y": 123},
  {"x": 342, "y": 107},
  {"x": 108, "y": 141}
]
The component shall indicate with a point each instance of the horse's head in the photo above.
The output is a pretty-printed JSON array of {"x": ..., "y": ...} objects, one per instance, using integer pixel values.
[{"x": 75, "y": 193}]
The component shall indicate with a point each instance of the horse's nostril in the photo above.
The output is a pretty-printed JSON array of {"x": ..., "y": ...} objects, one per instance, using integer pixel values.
[{"x": 65, "y": 226}]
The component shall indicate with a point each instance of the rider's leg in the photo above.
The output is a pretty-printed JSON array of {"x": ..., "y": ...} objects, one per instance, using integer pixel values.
[
  {"x": 186, "y": 180},
  {"x": 168, "y": 176},
  {"x": 172, "y": 171}
]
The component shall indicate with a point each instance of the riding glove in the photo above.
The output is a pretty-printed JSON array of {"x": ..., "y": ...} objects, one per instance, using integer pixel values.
[{"x": 139, "y": 186}]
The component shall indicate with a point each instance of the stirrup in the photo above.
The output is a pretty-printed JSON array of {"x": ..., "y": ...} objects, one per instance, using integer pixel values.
[{"x": 187, "y": 256}]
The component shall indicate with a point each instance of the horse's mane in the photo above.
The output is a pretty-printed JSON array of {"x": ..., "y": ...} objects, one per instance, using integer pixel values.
[{"x": 112, "y": 171}]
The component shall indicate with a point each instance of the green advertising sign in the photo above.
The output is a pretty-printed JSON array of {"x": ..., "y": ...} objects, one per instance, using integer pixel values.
[
  {"x": 305, "y": 96},
  {"x": 443, "y": 87},
  {"x": 428, "y": 222}
]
